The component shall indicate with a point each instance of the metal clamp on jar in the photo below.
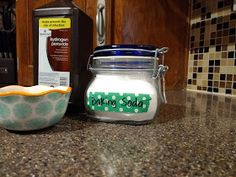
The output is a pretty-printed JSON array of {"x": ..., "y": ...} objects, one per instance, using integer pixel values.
[{"x": 126, "y": 85}]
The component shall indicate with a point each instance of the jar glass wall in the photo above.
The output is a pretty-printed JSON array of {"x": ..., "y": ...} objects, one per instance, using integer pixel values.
[{"x": 124, "y": 89}]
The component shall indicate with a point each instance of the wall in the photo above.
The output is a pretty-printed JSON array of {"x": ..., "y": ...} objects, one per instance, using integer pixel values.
[
  {"x": 1, "y": 4},
  {"x": 0, "y": 19},
  {"x": 212, "y": 54}
]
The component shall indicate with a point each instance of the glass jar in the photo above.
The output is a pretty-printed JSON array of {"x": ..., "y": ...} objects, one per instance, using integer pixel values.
[{"x": 126, "y": 84}]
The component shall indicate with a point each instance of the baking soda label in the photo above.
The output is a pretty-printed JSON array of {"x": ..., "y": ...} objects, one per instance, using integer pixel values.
[{"x": 118, "y": 102}]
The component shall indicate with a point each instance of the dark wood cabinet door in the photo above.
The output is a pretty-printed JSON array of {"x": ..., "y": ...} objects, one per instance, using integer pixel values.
[
  {"x": 22, "y": 41},
  {"x": 91, "y": 10},
  {"x": 160, "y": 23}
]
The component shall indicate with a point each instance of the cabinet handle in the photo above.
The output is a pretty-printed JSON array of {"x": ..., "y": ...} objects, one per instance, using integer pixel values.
[{"x": 100, "y": 22}]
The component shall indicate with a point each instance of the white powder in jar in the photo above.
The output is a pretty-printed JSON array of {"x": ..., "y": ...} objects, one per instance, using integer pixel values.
[{"x": 138, "y": 83}]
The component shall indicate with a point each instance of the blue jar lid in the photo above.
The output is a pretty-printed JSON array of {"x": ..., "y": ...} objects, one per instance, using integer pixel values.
[{"x": 126, "y": 50}]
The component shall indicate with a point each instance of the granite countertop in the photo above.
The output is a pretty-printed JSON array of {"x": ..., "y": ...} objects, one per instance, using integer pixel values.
[{"x": 193, "y": 135}]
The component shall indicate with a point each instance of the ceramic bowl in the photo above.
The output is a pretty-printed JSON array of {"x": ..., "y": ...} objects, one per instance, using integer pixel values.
[{"x": 32, "y": 108}]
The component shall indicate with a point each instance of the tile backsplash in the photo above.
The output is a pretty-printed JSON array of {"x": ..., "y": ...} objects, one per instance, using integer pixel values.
[{"x": 212, "y": 54}]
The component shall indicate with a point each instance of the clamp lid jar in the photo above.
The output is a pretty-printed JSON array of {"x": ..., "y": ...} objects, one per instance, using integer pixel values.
[{"x": 126, "y": 85}]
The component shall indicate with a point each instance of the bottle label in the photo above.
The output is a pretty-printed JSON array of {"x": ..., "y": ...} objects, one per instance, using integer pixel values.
[
  {"x": 118, "y": 102},
  {"x": 54, "y": 51}
]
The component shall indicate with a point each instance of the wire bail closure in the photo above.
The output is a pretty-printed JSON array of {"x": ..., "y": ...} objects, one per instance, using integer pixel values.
[
  {"x": 160, "y": 70},
  {"x": 89, "y": 60}
]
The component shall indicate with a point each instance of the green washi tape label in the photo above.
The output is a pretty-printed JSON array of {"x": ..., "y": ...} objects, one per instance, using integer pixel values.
[{"x": 118, "y": 102}]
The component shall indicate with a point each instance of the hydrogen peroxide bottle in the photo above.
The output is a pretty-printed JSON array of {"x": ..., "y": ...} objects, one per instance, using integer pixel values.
[{"x": 62, "y": 35}]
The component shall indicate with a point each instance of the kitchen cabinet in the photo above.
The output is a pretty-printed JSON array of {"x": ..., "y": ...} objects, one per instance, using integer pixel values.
[{"x": 160, "y": 23}]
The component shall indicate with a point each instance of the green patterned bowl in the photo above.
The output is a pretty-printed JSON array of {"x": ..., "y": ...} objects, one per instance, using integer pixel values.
[{"x": 32, "y": 108}]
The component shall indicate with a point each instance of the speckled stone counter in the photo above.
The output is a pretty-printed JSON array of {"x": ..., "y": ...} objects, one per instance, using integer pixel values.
[{"x": 194, "y": 135}]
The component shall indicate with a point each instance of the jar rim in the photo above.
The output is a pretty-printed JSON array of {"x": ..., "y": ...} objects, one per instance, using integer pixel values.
[
  {"x": 134, "y": 46},
  {"x": 124, "y": 57},
  {"x": 126, "y": 50}
]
